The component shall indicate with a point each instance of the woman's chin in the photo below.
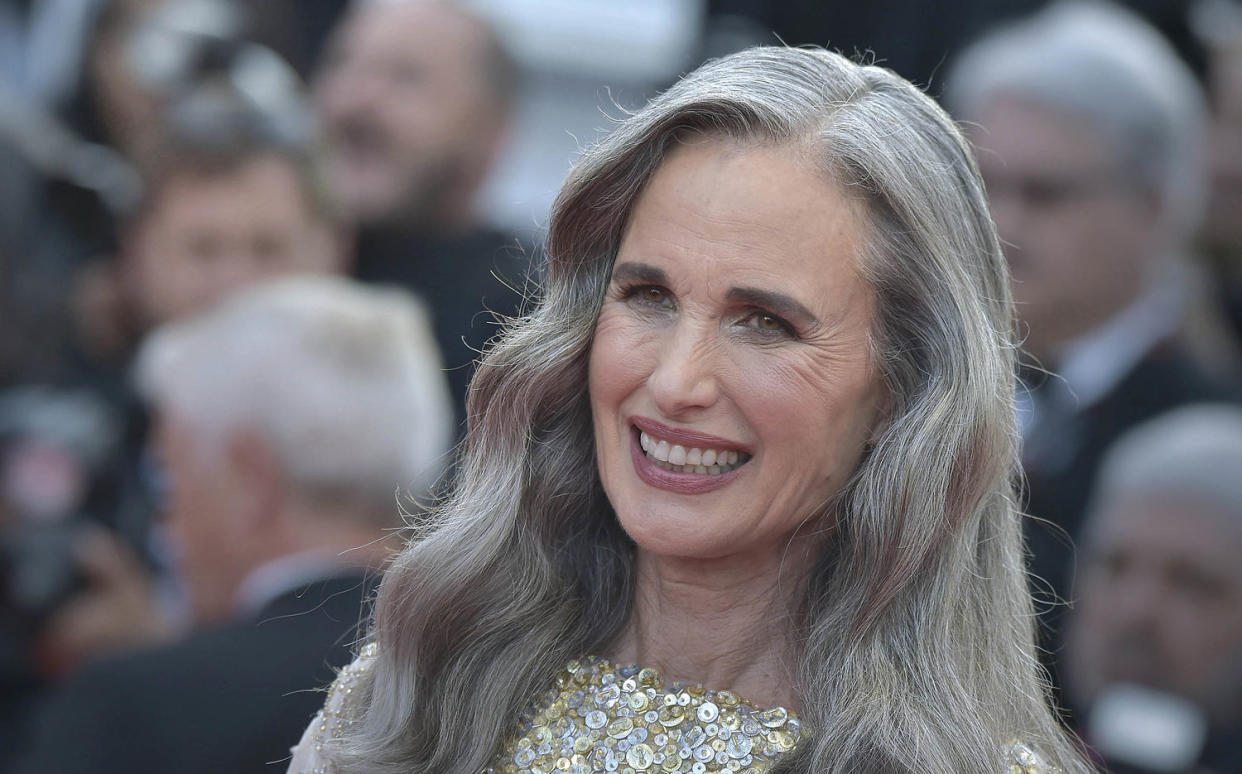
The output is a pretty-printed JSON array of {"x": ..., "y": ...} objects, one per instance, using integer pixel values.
[{"x": 673, "y": 535}]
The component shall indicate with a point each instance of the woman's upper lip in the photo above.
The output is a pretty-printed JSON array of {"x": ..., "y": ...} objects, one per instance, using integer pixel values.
[{"x": 685, "y": 437}]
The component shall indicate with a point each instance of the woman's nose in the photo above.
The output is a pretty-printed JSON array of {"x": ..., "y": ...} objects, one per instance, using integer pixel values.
[{"x": 685, "y": 377}]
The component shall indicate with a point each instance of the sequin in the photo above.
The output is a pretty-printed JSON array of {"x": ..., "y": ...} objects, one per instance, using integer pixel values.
[
  {"x": 739, "y": 745},
  {"x": 695, "y": 736},
  {"x": 707, "y": 712},
  {"x": 524, "y": 757},
  {"x": 782, "y": 741},
  {"x": 620, "y": 728},
  {"x": 774, "y": 718},
  {"x": 596, "y": 719},
  {"x": 640, "y": 756}
]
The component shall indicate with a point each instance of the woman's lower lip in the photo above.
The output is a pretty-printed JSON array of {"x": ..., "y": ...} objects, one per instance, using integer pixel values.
[{"x": 681, "y": 483}]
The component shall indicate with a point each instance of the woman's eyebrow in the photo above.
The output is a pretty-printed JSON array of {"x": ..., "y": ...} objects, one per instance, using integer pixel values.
[
  {"x": 781, "y": 304},
  {"x": 639, "y": 272}
]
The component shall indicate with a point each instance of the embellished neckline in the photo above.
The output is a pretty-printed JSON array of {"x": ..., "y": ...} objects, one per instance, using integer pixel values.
[
  {"x": 599, "y": 716},
  {"x": 650, "y": 677}
]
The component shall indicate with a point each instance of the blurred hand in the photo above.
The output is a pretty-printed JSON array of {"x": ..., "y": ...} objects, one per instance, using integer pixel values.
[{"x": 116, "y": 611}]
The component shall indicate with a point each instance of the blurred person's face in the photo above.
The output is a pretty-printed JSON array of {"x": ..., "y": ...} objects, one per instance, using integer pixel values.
[
  {"x": 1076, "y": 234},
  {"x": 410, "y": 124},
  {"x": 207, "y": 509},
  {"x": 206, "y": 236},
  {"x": 1223, "y": 224},
  {"x": 1160, "y": 604}
]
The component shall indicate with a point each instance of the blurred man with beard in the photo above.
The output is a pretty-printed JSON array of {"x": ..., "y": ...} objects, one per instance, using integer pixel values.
[
  {"x": 415, "y": 97},
  {"x": 1154, "y": 648}
]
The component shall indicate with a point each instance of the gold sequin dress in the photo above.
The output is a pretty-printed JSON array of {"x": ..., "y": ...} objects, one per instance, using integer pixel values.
[{"x": 599, "y": 717}]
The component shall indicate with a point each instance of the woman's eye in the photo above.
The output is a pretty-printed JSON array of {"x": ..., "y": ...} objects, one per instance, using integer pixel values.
[
  {"x": 648, "y": 295},
  {"x": 768, "y": 323}
]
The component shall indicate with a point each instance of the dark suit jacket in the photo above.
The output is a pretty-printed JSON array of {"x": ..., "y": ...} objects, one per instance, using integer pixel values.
[
  {"x": 464, "y": 279},
  {"x": 234, "y": 699},
  {"x": 1164, "y": 379}
]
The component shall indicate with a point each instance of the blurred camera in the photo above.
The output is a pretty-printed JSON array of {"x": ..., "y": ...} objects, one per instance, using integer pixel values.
[{"x": 55, "y": 450}]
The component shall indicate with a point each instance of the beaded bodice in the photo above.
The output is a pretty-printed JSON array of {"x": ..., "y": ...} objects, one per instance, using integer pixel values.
[{"x": 598, "y": 717}]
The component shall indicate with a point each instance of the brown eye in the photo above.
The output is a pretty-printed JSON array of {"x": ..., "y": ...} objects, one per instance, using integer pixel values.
[
  {"x": 768, "y": 323},
  {"x": 649, "y": 296},
  {"x": 652, "y": 298}
]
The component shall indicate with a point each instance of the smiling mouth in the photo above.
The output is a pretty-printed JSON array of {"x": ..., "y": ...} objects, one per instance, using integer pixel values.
[{"x": 677, "y": 458}]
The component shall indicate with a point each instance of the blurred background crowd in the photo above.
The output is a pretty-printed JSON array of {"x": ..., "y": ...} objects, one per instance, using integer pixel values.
[{"x": 249, "y": 250}]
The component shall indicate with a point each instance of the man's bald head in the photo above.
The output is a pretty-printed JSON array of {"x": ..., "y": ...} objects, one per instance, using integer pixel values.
[{"x": 414, "y": 96}]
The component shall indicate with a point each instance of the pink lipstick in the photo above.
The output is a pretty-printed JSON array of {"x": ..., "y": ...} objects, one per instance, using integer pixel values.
[{"x": 675, "y": 481}]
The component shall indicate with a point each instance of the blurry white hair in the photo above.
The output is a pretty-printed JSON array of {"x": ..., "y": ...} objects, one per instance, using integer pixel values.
[
  {"x": 1098, "y": 62},
  {"x": 344, "y": 382},
  {"x": 1191, "y": 453}
]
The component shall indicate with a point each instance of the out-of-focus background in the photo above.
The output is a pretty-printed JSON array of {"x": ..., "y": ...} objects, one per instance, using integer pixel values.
[{"x": 212, "y": 210}]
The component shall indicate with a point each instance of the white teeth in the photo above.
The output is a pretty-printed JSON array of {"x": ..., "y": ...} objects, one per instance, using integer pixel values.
[{"x": 679, "y": 459}]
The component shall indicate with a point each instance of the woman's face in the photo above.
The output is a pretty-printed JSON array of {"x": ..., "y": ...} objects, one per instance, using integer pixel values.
[{"x": 731, "y": 383}]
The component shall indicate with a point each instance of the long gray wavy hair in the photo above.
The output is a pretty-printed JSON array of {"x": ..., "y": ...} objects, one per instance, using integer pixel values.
[{"x": 916, "y": 627}]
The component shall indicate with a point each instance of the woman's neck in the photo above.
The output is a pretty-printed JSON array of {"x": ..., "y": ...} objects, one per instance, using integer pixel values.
[{"x": 726, "y": 624}]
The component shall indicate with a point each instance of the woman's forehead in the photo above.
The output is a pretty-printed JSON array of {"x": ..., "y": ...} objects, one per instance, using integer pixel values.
[{"x": 752, "y": 214}]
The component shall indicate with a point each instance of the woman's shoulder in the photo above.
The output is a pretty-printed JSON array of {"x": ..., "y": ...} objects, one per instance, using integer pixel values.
[{"x": 339, "y": 710}]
